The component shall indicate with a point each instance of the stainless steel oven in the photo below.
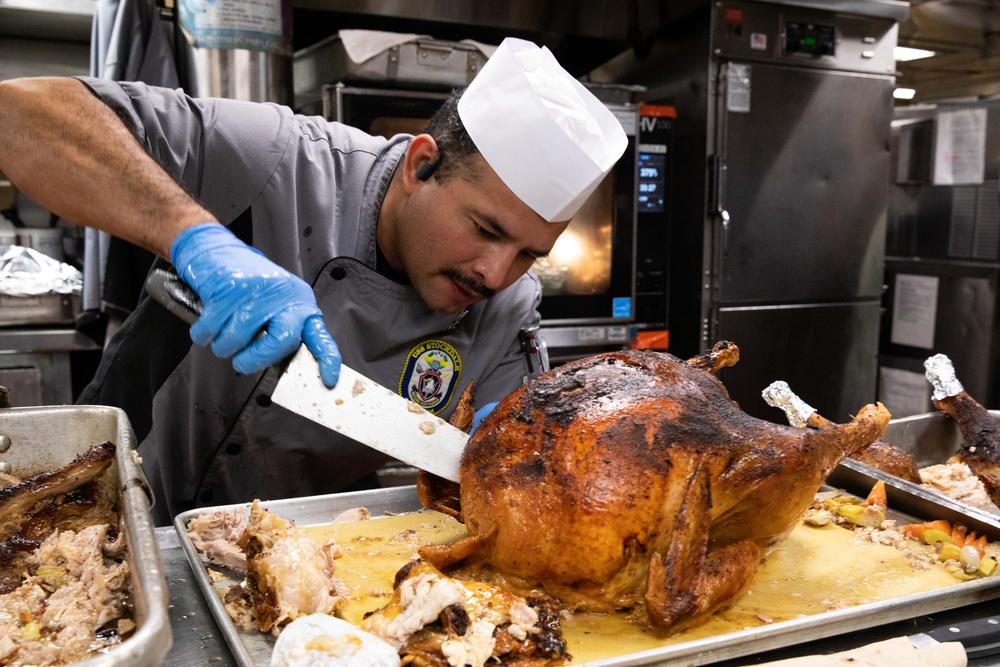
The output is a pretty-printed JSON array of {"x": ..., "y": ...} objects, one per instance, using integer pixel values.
[{"x": 588, "y": 280}]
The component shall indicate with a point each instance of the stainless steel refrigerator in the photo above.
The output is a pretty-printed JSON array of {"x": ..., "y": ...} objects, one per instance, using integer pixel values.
[{"x": 781, "y": 172}]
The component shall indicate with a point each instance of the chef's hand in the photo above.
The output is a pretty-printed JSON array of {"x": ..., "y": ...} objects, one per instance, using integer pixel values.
[
  {"x": 243, "y": 292},
  {"x": 480, "y": 415}
]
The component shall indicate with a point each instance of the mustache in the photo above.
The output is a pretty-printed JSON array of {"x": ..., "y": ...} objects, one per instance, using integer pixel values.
[{"x": 468, "y": 283}]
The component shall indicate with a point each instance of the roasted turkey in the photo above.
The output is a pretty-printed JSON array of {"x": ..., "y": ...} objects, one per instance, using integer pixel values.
[
  {"x": 980, "y": 430},
  {"x": 631, "y": 480}
]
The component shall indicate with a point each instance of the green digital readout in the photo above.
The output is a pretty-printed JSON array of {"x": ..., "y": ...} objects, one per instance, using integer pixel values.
[{"x": 810, "y": 39}]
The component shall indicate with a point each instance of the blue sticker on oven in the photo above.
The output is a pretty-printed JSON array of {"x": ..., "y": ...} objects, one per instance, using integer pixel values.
[
  {"x": 621, "y": 307},
  {"x": 430, "y": 374}
]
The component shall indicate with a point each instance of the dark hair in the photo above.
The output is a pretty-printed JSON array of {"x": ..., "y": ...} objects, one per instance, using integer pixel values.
[{"x": 455, "y": 147}]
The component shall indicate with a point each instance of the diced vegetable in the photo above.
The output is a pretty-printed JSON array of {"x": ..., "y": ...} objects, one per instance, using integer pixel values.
[
  {"x": 869, "y": 516},
  {"x": 987, "y": 566},
  {"x": 933, "y": 535},
  {"x": 958, "y": 532},
  {"x": 947, "y": 551},
  {"x": 877, "y": 495},
  {"x": 914, "y": 530},
  {"x": 31, "y": 630},
  {"x": 940, "y": 524},
  {"x": 980, "y": 544},
  {"x": 969, "y": 557},
  {"x": 53, "y": 575},
  {"x": 955, "y": 541}
]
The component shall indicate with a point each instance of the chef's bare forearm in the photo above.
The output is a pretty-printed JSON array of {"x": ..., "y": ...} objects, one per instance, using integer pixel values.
[{"x": 69, "y": 152}]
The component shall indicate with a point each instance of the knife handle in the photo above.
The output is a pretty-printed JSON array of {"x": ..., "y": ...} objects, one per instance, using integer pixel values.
[
  {"x": 979, "y": 636},
  {"x": 174, "y": 294}
]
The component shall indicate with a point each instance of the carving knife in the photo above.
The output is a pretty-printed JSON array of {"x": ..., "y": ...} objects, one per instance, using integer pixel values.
[
  {"x": 980, "y": 637},
  {"x": 357, "y": 407}
]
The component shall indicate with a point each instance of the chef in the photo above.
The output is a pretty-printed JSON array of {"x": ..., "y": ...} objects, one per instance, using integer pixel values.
[{"x": 412, "y": 253}]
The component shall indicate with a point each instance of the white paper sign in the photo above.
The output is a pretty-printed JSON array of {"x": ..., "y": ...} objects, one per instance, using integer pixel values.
[
  {"x": 738, "y": 88},
  {"x": 904, "y": 393},
  {"x": 914, "y": 310},
  {"x": 255, "y": 25},
  {"x": 960, "y": 147}
]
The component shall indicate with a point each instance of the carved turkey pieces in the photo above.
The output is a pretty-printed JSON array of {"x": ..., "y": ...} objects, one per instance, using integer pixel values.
[{"x": 632, "y": 480}]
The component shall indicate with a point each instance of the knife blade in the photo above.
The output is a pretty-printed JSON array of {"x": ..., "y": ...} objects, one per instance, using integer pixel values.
[
  {"x": 357, "y": 406},
  {"x": 980, "y": 636}
]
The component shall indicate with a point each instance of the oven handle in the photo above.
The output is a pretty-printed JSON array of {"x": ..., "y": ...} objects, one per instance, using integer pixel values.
[{"x": 724, "y": 214}]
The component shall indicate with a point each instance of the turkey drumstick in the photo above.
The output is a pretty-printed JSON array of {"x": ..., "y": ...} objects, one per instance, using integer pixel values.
[
  {"x": 980, "y": 431},
  {"x": 880, "y": 455}
]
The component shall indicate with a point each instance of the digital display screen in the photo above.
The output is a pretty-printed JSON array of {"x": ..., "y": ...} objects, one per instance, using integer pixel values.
[
  {"x": 652, "y": 182},
  {"x": 811, "y": 39}
]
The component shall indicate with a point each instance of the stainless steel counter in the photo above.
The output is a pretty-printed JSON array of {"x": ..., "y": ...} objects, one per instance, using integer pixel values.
[{"x": 198, "y": 641}]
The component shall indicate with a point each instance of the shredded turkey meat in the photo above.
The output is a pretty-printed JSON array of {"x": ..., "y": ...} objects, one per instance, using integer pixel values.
[
  {"x": 288, "y": 575},
  {"x": 956, "y": 480},
  {"x": 434, "y": 619},
  {"x": 74, "y": 600},
  {"x": 217, "y": 533}
]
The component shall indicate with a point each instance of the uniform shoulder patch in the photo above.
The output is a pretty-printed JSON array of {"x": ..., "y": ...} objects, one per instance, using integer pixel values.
[{"x": 430, "y": 374}]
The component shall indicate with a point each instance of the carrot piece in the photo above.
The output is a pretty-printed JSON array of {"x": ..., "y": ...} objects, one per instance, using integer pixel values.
[
  {"x": 940, "y": 524},
  {"x": 915, "y": 530},
  {"x": 877, "y": 495},
  {"x": 958, "y": 532},
  {"x": 980, "y": 544}
]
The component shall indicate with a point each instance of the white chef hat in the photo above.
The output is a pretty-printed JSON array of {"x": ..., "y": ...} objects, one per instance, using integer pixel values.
[{"x": 544, "y": 134}]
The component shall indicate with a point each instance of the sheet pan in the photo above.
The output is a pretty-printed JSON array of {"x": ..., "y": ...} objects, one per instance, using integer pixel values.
[
  {"x": 46, "y": 438},
  {"x": 253, "y": 649}
]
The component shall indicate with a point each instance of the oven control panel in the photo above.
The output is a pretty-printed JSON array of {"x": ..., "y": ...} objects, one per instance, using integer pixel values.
[
  {"x": 806, "y": 36},
  {"x": 811, "y": 39}
]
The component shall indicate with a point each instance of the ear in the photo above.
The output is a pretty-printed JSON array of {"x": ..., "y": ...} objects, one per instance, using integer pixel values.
[{"x": 420, "y": 160}]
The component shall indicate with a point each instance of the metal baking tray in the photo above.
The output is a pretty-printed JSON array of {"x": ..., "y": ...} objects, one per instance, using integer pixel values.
[
  {"x": 253, "y": 649},
  {"x": 421, "y": 63},
  {"x": 46, "y": 438},
  {"x": 49, "y": 308}
]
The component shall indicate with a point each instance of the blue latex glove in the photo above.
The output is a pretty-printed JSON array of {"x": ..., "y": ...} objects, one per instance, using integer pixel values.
[
  {"x": 243, "y": 293},
  {"x": 480, "y": 415}
]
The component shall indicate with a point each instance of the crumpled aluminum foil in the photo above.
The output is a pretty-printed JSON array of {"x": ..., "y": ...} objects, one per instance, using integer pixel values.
[
  {"x": 779, "y": 395},
  {"x": 940, "y": 372},
  {"x": 27, "y": 272}
]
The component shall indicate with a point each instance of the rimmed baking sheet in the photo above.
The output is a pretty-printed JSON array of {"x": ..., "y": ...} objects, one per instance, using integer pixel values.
[{"x": 253, "y": 649}]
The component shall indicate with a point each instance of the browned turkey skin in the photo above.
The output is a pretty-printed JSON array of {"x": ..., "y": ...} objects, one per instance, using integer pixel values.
[{"x": 632, "y": 480}]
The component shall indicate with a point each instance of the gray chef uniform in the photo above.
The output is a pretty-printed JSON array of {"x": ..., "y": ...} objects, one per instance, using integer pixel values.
[{"x": 307, "y": 193}]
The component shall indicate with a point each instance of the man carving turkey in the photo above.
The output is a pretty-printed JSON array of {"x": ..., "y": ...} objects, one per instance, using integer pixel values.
[{"x": 411, "y": 251}]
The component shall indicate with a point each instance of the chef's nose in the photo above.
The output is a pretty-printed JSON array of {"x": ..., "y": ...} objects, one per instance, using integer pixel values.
[{"x": 493, "y": 266}]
